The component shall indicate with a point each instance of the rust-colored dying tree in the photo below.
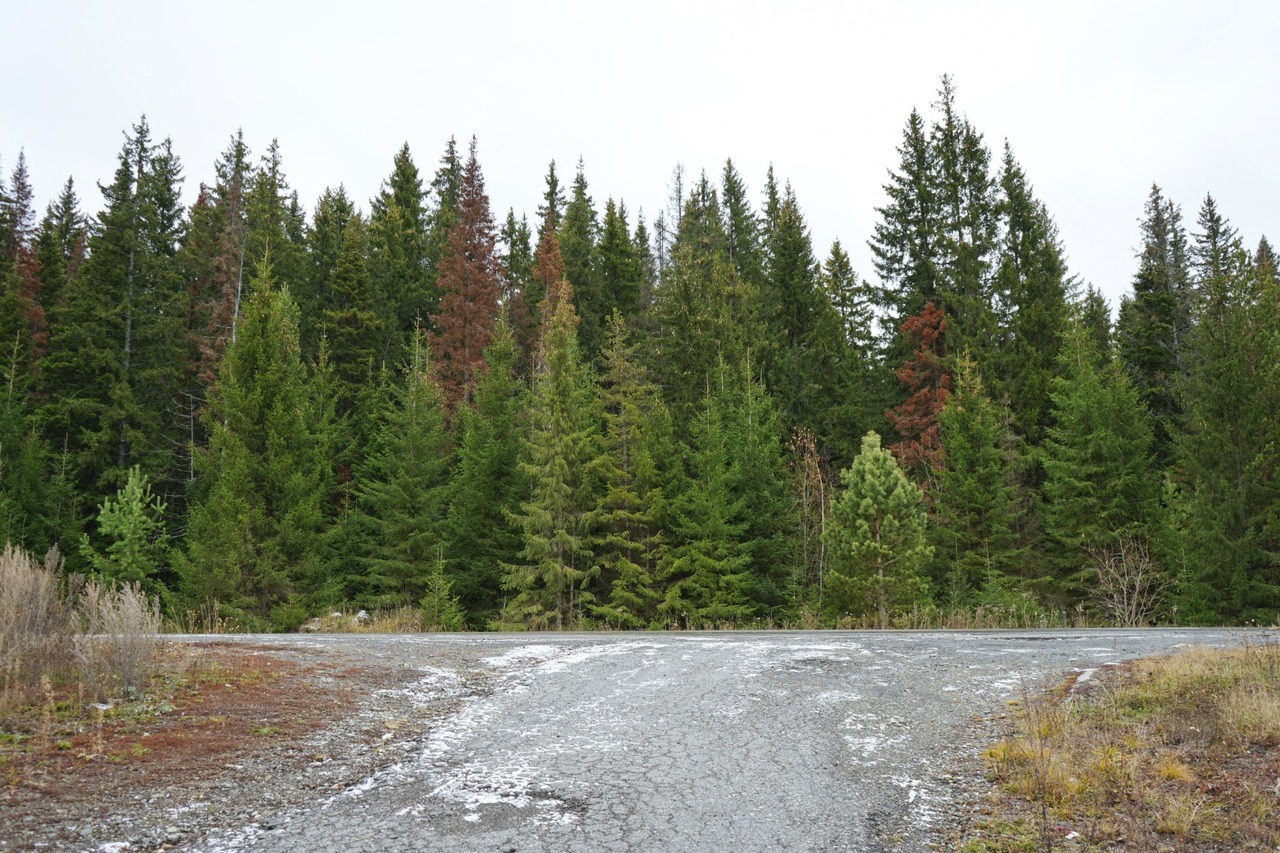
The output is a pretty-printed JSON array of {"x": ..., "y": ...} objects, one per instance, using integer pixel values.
[
  {"x": 928, "y": 384},
  {"x": 527, "y": 311},
  {"x": 470, "y": 283}
]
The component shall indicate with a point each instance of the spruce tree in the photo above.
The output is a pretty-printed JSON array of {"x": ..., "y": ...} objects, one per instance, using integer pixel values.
[
  {"x": 618, "y": 266},
  {"x": 579, "y": 234},
  {"x": 116, "y": 355},
  {"x": 1100, "y": 481},
  {"x": 741, "y": 227},
  {"x": 876, "y": 538},
  {"x": 397, "y": 257},
  {"x": 212, "y": 261},
  {"x": 444, "y": 208},
  {"x": 526, "y": 314},
  {"x": 967, "y": 201},
  {"x": 350, "y": 315},
  {"x": 1227, "y": 457},
  {"x": 707, "y": 573},
  {"x": 927, "y": 380},
  {"x": 702, "y": 312},
  {"x": 551, "y": 211},
  {"x": 275, "y": 225},
  {"x": 1095, "y": 317},
  {"x": 1031, "y": 282},
  {"x": 632, "y": 468},
  {"x": 253, "y": 541},
  {"x": 905, "y": 245},
  {"x": 517, "y": 257},
  {"x": 21, "y": 276},
  {"x": 60, "y": 247},
  {"x": 37, "y": 508},
  {"x": 404, "y": 489},
  {"x": 753, "y": 426},
  {"x": 1154, "y": 325},
  {"x": 973, "y": 534},
  {"x": 557, "y": 520},
  {"x": 487, "y": 486},
  {"x": 791, "y": 303}
]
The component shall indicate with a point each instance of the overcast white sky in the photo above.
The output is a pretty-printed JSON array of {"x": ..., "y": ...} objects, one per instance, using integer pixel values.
[{"x": 1098, "y": 99}]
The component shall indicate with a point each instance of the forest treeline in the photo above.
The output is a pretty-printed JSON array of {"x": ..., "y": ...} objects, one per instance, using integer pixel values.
[{"x": 586, "y": 419}]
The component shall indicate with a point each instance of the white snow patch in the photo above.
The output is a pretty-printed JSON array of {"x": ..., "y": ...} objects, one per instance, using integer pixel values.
[
  {"x": 872, "y": 736},
  {"x": 837, "y": 696},
  {"x": 435, "y": 683},
  {"x": 114, "y": 847},
  {"x": 522, "y": 654},
  {"x": 919, "y": 799}
]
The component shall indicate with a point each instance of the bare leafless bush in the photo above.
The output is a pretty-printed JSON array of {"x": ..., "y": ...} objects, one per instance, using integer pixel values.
[
  {"x": 1131, "y": 586},
  {"x": 58, "y": 631},
  {"x": 121, "y": 628}
]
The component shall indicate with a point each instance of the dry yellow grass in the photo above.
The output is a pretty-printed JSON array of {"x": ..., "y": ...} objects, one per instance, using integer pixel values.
[{"x": 1174, "y": 751}]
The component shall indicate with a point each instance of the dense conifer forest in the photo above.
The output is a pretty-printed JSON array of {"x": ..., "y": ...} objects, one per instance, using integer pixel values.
[{"x": 579, "y": 417}]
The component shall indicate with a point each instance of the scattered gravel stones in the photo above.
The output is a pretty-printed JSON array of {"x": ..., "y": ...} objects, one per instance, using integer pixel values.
[{"x": 755, "y": 741}]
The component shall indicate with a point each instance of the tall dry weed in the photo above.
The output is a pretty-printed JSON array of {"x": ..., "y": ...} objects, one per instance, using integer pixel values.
[
  {"x": 58, "y": 630},
  {"x": 37, "y": 622},
  {"x": 121, "y": 628}
]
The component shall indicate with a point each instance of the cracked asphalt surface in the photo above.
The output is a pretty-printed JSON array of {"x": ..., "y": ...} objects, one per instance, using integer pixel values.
[{"x": 805, "y": 741}]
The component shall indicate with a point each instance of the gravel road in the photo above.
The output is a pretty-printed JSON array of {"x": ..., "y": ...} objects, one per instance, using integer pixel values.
[{"x": 814, "y": 741}]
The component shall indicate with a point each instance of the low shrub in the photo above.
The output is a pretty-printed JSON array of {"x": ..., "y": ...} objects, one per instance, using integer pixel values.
[{"x": 61, "y": 633}]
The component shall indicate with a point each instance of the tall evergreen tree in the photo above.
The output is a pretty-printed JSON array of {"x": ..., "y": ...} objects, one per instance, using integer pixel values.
[
  {"x": 253, "y": 540},
  {"x": 904, "y": 245},
  {"x": 966, "y": 196},
  {"x": 557, "y": 520},
  {"x": 758, "y": 474},
  {"x": 116, "y": 357},
  {"x": 487, "y": 486},
  {"x": 403, "y": 496},
  {"x": 579, "y": 234},
  {"x": 707, "y": 573},
  {"x": 212, "y": 261},
  {"x": 618, "y": 266},
  {"x": 791, "y": 304},
  {"x": 60, "y": 247},
  {"x": 397, "y": 252},
  {"x": 38, "y": 504},
  {"x": 1154, "y": 325},
  {"x": 275, "y": 224},
  {"x": 1031, "y": 283},
  {"x": 741, "y": 227},
  {"x": 22, "y": 314},
  {"x": 551, "y": 211},
  {"x": 353, "y": 319},
  {"x": 702, "y": 313},
  {"x": 974, "y": 535},
  {"x": 1100, "y": 481},
  {"x": 637, "y": 446},
  {"x": 443, "y": 212},
  {"x": 927, "y": 380},
  {"x": 863, "y": 372},
  {"x": 517, "y": 257},
  {"x": 1095, "y": 317},
  {"x": 1227, "y": 457}
]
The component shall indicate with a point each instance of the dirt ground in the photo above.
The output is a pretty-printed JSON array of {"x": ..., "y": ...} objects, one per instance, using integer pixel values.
[{"x": 232, "y": 729}]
